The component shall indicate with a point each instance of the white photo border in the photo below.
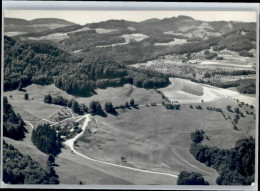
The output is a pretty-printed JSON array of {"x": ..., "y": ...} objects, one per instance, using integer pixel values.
[{"x": 133, "y": 6}]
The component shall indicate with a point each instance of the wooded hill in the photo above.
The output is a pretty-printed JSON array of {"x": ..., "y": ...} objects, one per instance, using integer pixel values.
[
  {"x": 13, "y": 125},
  {"x": 29, "y": 62},
  {"x": 20, "y": 169}
]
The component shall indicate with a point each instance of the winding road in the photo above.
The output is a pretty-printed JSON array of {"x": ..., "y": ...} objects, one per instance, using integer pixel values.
[{"x": 70, "y": 144}]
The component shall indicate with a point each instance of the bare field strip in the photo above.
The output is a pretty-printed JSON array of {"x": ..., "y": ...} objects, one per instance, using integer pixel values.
[{"x": 210, "y": 93}]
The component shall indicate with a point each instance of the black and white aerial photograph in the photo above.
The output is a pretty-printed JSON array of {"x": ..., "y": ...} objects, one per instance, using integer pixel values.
[{"x": 100, "y": 97}]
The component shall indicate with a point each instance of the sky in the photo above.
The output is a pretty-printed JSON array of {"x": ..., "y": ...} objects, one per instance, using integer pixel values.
[{"x": 84, "y": 17}]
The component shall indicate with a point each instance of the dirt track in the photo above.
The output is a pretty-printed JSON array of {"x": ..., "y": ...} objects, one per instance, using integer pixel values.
[{"x": 70, "y": 144}]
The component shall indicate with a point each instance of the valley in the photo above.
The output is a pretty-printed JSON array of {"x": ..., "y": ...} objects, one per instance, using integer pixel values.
[{"x": 119, "y": 101}]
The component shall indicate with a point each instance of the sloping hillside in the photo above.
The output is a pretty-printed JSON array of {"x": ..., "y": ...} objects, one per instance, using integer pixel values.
[{"x": 13, "y": 26}]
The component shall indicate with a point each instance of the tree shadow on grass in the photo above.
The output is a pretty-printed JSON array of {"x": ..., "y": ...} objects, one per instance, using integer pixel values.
[
  {"x": 101, "y": 113},
  {"x": 129, "y": 107},
  {"x": 115, "y": 113},
  {"x": 136, "y": 106},
  {"x": 80, "y": 112}
]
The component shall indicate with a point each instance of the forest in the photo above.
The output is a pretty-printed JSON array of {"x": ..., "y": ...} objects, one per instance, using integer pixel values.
[
  {"x": 20, "y": 169},
  {"x": 46, "y": 140},
  {"x": 191, "y": 178},
  {"x": 145, "y": 50},
  {"x": 236, "y": 166},
  {"x": 26, "y": 63},
  {"x": 245, "y": 86},
  {"x": 13, "y": 125}
]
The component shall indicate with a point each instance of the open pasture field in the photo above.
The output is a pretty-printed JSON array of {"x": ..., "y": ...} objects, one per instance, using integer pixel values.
[
  {"x": 102, "y": 30},
  {"x": 136, "y": 37},
  {"x": 118, "y": 96},
  {"x": 34, "y": 105},
  {"x": 128, "y": 37},
  {"x": 160, "y": 142},
  {"x": 155, "y": 142},
  {"x": 226, "y": 137},
  {"x": 14, "y": 33},
  {"x": 172, "y": 43},
  {"x": 93, "y": 173},
  {"x": 53, "y": 36},
  {"x": 121, "y": 95},
  {"x": 227, "y": 64},
  {"x": 38, "y": 109}
]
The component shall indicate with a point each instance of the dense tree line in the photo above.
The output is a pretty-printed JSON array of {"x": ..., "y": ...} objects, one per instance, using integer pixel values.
[
  {"x": 110, "y": 108},
  {"x": 191, "y": 178},
  {"x": 13, "y": 125},
  {"x": 58, "y": 100},
  {"x": 243, "y": 86},
  {"x": 20, "y": 169},
  {"x": 172, "y": 106},
  {"x": 94, "y": 108},
  {"x": 236, "y": 166},
  {"x": 45, "y": 139},
  {"x": 234, "y": 73}
]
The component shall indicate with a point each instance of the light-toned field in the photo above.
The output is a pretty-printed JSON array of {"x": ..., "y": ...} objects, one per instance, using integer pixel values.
[
  {"x": 77, "y": 51},
  {"x": 38, "y": 109},
  {"x": 34, "y": 107},
  {"x": 80, "y": 30},
  {"x": 128, "y": 37},
  {"x": 225, "y": 64},
  {"x": 136, "y": 37},
  {"x": 53, "y": 36},
  {"x": 172, "y": 43},
  {"x": 208, "y": 93},
  {"x": 14, "y": 33},
  {"x": 131, "y": 28},
  {"x": 202, "y": 31},
  {"x": 102, "y": 30}
]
